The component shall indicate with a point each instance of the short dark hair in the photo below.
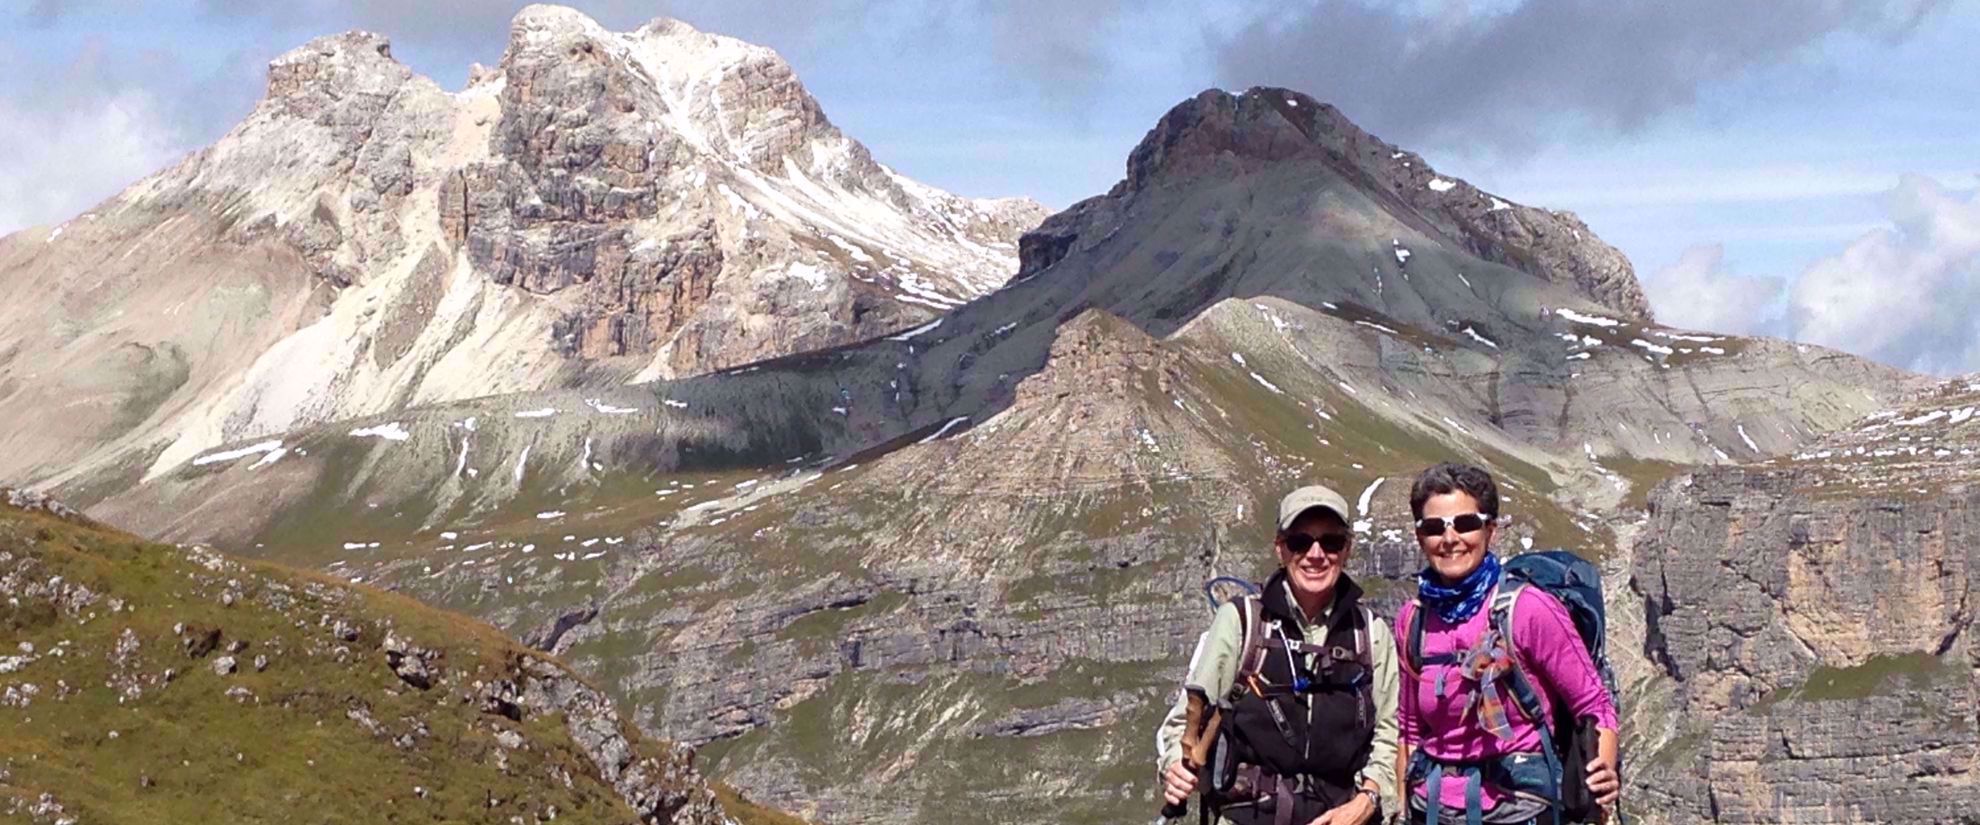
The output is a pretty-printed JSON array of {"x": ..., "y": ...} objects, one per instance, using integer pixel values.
[{"x": 1455, "y": 478}]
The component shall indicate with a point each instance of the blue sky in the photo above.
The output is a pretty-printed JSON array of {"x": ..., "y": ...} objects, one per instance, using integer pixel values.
[{"x": 1804, "y": 169}]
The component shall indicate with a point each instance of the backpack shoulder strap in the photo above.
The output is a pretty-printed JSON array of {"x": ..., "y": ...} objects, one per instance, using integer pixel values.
[
  {"x": 1413, "y": 658},
  {"x": 1364, "y": 652},
  {"x": 1251, "y": 650},
  {"x": 1413, "y": 646},
  {"x": 1503, "y": 601}
]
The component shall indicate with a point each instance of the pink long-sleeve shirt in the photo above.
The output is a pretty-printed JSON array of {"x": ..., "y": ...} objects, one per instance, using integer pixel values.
[{"x": 1553, "y": 658}]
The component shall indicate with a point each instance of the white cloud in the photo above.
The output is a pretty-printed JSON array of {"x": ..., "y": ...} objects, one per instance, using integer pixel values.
[
  {"x": 1698, "y": 293},
  {"x": 1908, "y": 295},
  {"x": 1685, "y": 181},
  {"x": 1906, "y": 292},
  {"x": 62, "y": 160}
]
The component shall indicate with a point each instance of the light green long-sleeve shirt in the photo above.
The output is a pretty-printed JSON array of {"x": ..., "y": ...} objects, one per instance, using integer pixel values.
[{"x": 1214, "y": 668}]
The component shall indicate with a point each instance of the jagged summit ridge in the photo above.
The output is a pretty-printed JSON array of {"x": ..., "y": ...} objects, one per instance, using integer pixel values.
[
  {"x": 743, "y": 103},
  {"x": 599, "y": 208},
  {"x": 1219, "y": 133},
  {"x": 358, "y": 62}
]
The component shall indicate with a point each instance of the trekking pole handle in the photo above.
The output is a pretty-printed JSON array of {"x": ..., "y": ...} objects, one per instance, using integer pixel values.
[{"x": 1175, "y": 810}]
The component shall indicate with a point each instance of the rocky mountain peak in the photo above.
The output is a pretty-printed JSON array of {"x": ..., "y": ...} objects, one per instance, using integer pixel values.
[
  {"x": 718, "y": 95},
  {"x": 1218, "y": 135},
  {"x": 600, "y": 207},
  {"x": 552, "y": 20},
  {"x": 1214, "y": 132},
  {"x": 327, "y": 69}
]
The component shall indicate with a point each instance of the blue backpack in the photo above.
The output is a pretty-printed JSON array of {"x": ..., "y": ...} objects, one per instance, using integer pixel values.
[{"x": 1577, "y": 584}]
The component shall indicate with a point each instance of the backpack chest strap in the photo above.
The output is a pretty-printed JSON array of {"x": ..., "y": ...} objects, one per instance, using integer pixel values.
[{"x": 1335, "y": 653}]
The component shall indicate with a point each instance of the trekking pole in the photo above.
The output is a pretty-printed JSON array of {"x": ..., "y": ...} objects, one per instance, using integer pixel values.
[{"x": 1200, "y": 727}]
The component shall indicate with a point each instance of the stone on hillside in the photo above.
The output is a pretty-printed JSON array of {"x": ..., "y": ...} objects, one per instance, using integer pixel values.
[
  {"x": 409, "y": 661},
  {"x": 223, "y": 665},
  {"x": 362, "y": 716},
  {"x": 41, "y": 502},
  {"x": 199, "y": 641}
]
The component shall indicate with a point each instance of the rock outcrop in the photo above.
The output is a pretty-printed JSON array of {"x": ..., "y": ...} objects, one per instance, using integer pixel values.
[{"x": 1815, "y": 615}]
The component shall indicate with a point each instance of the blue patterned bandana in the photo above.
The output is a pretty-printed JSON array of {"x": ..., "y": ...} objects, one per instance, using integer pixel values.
[{"x": 1456, "y": 603}]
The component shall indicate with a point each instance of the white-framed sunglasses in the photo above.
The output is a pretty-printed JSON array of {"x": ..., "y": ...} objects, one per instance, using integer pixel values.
[{"x": 1430, "y": 526}]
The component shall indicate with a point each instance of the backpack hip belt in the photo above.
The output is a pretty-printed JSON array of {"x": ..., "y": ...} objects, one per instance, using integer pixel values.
[{"x": 1257, "y": 792}]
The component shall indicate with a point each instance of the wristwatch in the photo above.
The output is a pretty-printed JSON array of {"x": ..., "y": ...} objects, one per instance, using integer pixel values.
[{"x": 1374, "y": 798}]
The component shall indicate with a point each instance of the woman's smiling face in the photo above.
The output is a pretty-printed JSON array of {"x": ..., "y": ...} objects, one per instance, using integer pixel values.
[
  {"x": 1453, "y": 555},
  {"x": 1316, "y": 571}
]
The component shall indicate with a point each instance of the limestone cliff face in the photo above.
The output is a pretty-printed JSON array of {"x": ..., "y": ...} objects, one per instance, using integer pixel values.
[
  {"x": 1816, "y": 616},
  {"x": 599, "y": 208},
  {"x": 696, "y": 198}
]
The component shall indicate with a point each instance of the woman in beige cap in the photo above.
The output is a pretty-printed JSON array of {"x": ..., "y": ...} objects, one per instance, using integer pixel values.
[{"x": 1305, "y": 677}]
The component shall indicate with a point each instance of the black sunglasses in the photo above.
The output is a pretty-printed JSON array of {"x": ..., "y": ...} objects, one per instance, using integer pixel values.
[
  {"x": 1333, "y": 543},
  {"x": 1429, "y": 526}
]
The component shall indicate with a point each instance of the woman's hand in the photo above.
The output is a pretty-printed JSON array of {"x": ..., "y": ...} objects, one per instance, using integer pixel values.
[
  {"x": 1178, "y": 783},
  {"x": 1356, "y": 811},
  {"x": 1603, "y": 781}
]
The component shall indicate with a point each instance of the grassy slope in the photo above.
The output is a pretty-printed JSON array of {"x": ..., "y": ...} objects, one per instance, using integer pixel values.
[{"x": 113, "y": 739}]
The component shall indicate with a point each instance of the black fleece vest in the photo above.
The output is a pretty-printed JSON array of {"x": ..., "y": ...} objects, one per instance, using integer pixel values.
[{"x": 1331, "y": 722}]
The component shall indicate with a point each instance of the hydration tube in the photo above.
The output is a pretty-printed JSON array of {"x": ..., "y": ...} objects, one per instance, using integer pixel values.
[{"x": 1209, "y": 589}]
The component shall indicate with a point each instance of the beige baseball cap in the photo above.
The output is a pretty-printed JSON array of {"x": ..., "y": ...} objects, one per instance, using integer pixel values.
[{"x": 1307, "y": 498}]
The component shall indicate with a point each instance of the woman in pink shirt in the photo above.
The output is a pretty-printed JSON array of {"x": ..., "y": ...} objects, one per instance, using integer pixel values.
[{"x": 1460, "y": 721}]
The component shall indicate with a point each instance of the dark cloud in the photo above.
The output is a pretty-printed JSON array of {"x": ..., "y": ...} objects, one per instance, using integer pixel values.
[
  {"x": 1504, "y": 80},
  {"x": 1060, "y": 46},
  {"x": 44, "y": 13},
  {"x": 1059, "y": 43}
]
